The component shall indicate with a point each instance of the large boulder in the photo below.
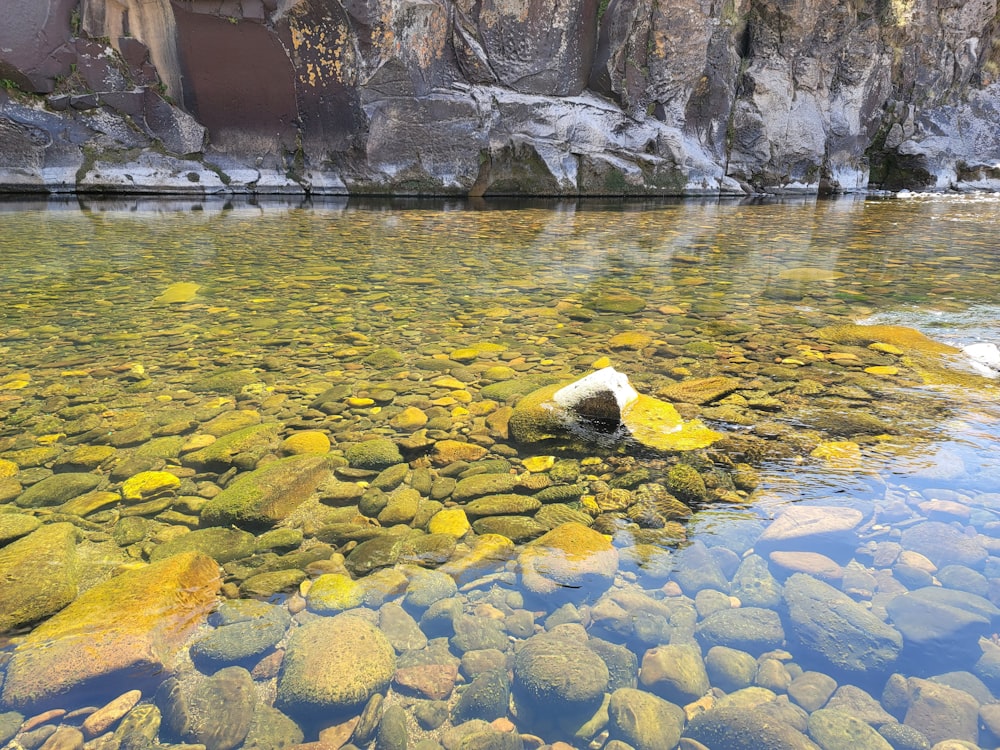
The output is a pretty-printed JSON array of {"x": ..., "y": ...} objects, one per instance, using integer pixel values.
[
  {"x": 572, "y": 558},
  {"x": 39, "y": 575},
  {"x": 127, "y": 630}
]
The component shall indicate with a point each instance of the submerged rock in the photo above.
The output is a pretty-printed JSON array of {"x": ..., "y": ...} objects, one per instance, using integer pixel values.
[
  {"x": 39, "y": 574},
  {"x": 571, "y": 558},
  {"x": 127, "y": 628}
]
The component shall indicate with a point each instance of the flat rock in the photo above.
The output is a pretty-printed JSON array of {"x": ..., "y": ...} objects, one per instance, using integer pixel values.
[
  {"x": 215, "y": 711},
  {"x": 266, "y": 495},
  {"x": 738, "y": 728},
  {"x": 839, "y": 730},
  {"x": 831, "y": 626},
  {"x": 571, "y": 557},
  {"x": 800, "y": 527},
  {"x": 749, "y": 629},
  {"x": 128, "y": 628},
  {"x": 16, "y": 525},
  {"x": 221, "y": 544},
  {"x": 39, "y": 574},
  {"x": 943, "y": 544},
  {"x": 58, "y": 489},
  {"x": 943, "y": 624},
  {"x": 253, "y": 441},
  {"x": 941, "y": 712}
]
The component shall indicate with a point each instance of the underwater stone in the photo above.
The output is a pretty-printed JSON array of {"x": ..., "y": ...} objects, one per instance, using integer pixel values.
[{"x": 39, "y": 574}]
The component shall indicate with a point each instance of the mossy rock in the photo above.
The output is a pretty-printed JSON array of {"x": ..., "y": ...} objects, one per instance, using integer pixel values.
[
  {"x": 266, "y": 495},
  {"x": 58, "y": 489},
  {"x": 39, "y": 574},
  {"x": 376, "y": 454},
  {"x": 255, "y": 440},
  {"x": 229, "y": 382},
  {"x": 221, "y": 544}
]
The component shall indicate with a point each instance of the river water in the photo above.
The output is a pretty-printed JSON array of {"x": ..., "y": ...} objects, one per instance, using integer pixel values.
[{"x": 265, "y": 480}]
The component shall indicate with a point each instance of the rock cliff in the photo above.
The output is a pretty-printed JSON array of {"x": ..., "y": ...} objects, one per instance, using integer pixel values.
[{"x": 491, "y": 97}]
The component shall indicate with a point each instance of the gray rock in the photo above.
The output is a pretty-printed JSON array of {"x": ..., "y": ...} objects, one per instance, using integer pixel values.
[
  {"x": 247, "y": 629},
  {"x": 479, "y": 735},
  {"x": 902, "y": 737},
  {"x": 400, "y": 628},
  {"x": 943, "y": 625},
  {"x": 944, "y": 545},
  {"x": 808, "y": 527},
  {"x": 812, "y": 690},
  {"x": 696, "y": 569},
  {"x": 427, "y": 587},
  {"x": 212, "y": 711},
  {"x": 644, "y": 721},
  {"x": 754, "y": 585},
  {"x": 838, "y": 730},
  {"x": 855, "y": 701},
  {"x": 378, "y": 454},
  {"x": 10, "y": 723},
  {"x": 962, "y": 578},
  {"x": 832, "y": 627},
  {"x": 477, "y": 633},
  {"x": 487, "y": 697},
  {"x": 749, "y": 629},
  {"x": 392, "y": 732},
  {"x": 271, "y": 730}
]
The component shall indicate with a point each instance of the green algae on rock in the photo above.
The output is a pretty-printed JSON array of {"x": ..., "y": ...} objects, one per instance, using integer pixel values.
[
  {"x": 265, "y": 496},
  {"x": 39, "y": 573}
]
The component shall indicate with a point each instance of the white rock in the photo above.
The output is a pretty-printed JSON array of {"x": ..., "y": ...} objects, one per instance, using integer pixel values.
[{"x": 985, "y": 358}]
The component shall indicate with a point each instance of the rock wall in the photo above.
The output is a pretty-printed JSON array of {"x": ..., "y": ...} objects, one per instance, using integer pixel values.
[{"x": 490, "y": 97}]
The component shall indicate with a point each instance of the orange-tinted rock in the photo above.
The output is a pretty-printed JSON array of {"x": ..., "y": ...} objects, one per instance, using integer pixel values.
[{"x": 126, "y": 630}]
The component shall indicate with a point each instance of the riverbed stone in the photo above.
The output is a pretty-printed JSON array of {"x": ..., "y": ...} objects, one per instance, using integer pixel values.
[
  {"x": 812, "y": 690},
  {"x": 27, "y": 596},
  {"x": 830, "y": 626},
  {"x": 806, "y": 527},
  {"x": 246, "y": 630},
  {"x": 133, "y": 623},
  {"x": 149, "y": 484},
  {"x": 557, "y": 674},
  {"x": 265, "y": 496},
  {"x": 16, "y": 525},
  {"x": 501, "y": 505},
  {"x": 940, "y": 712},
  {"x": 839, "y": 730},
  {"x": 570, "y": 558},
  {"x": 478, "y": 485},
  {"x": 903, "y": 737},
  {"x": 215, "y": 711},
  {"x": 754, "y": 585},
  {"x": 270, "y": 729},
  {"x": 675, "y": 672},
  {"x": 375, "y": 454},
  {"x": 944, "y": 545},
  {"x": 696, "y": 569},
  {"x": 644, "y": 721},
  {"x": 739, "y": 728},
  {"x": 58, "y": 489},
  {"x": 487, "y": 697},
  {"x": 252, "y": 442},
  {"x": 221, "y": 544},
  {"x": 943, "y": 625},
  {"x": 333, "y": 665},
  {"x": 749, "y": 629},
  {"x": 730, "y": 669}
]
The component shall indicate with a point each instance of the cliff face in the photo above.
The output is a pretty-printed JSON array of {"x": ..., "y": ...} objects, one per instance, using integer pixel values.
[{"x": 489, "y": 97}]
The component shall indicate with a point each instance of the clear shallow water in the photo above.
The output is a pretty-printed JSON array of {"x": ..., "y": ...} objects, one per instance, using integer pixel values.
[{"x": 129, "y": 328}]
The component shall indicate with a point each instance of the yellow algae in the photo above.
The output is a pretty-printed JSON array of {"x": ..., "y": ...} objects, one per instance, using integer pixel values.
[
  {"x": 879, "y": 346},
  {"x": 630, "y": 340},
  {"x": 840, "y": 451},
  {"x": 657, "y": 424},
  {"x": 181, "y": 291},
  {"x": 7, "y": 468},
  {"x": 536, "y": 464},
  {"x": 14, "y": 385},
  {"x": 51, "y": 438},
  {"x": 306, "y": 441},
  {"x": 601, "y": 363},
  {"x": 148, "y": 484},
  {"x": 806, "y": 273},
  {"x": 448, "y": 382},
  {"x": 74, "y": 373},
  {"x": 90, "y": 502},
  {"x": 359, "y": 401},
  {"x": 902, "y": 337},
  {"x": 464, "y": 355},
  {"x": 882, "y": 370},
  {"x": 450, "y": 521}
]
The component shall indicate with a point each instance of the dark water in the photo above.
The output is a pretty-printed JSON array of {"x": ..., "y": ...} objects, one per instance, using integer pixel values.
[{"x": 127, "y": 328}]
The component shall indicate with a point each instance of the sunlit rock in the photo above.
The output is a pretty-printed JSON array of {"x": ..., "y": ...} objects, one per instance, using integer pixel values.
[
  {"x": 604, "y": 406},
  {"x": 127, "y": 630},
  {"x": 985, "y": 358},
  {"x": 181, "y": 291},
  {"x": 571, "y": 556}
]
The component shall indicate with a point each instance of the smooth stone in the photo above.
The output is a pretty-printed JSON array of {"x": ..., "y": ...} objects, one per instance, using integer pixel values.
[
  {"x": 943, "y": 625},
  {"x": 739, "y": 728},
  {"x": 754, "y": 585},
  {"x": 377, "y": 454},
  {"x": 812, "y": 690},
  {"x": 58, "y": 489},
  {"x": 447, "y": 452},
  {"x": 64, "y": 738},
  {"x": 831, "y": 626},
  {"x": 253, "y": 441},
  {"x": 431, "y": 681},
  {"x": 571, "y": 558},
  {"x": 400, "y": 628},
  {"x": 502, "y": 505},
  {"x": 221, "y": 544},
  {"x": 266, "y": 585},
  {"x": 39, "y": 574},
  {"x": 426, "y": 587},
  {"x": 644, "y": 721},
  {"x": 772, "y": 674},
  {"x": 943, "y": 544},
  {"x": 231, "y": 421},
  {"x": 379, "y": 552},
  {"x": 16, "y": 525},
  {"x": 229, "y": 382},
  {"x": 478, "y": 485},
  {"x": 392, "y": 732},
  {"x": 265, "y": 496},
  {"x": 697, "y": 569},
  {"x": 333, "y": 665},
  {"x": 801, "y": 527},
  {"x": 811, "y": 563},
  {"x": 838, "y": 730},
  {"x": 675, "y": 672},
  {"x": 942, "y": 713},
  {"x": 305, "y": 442},
  {"x": 730, "y": 669},
  {"x": 401, "y": 507},
  {"x": 556, "y": 673},
  {"x": 109, "y": 714},
  {"x": 487, "y": 697},
  {"x": 477, "y": 634},
  {"x": 902, "y": 737},
  {"x": 965, "y": 579},
  {"x": 518, "y": 529},
  {"x": 213, "y": 711},
  {"x": 749, "y": 629},
  {"x": 149, "y": 484},
  {"x": 270, "y": 729},
  {"x": 114, "y": 628},
  {"x": 855, "y": 701},
  {"x": 699, "y": 391},
  {"x": 451, "y": 521},
  {"x": 248, "y": 630}
]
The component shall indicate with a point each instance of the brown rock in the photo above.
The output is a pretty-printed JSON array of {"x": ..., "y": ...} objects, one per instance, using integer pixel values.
[{"x": 434, "y": 681}]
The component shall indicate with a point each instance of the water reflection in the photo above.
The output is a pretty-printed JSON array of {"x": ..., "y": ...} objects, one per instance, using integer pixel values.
[{"x": 318, "y": 398}]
